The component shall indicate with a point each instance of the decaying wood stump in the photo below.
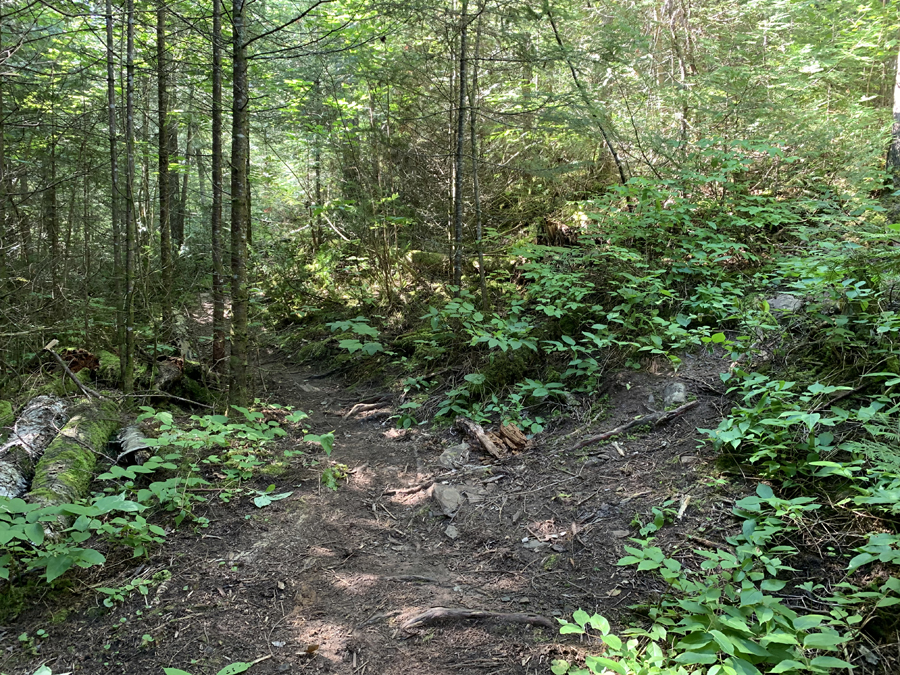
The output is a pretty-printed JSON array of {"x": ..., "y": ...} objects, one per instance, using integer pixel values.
[
  {"x": 39, "y": 422},
  {"x": 65, "y": 470},
  {"x": 476, "y": 433}
]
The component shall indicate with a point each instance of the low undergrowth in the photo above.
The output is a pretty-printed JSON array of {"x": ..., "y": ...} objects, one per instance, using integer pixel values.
[
  {"x": 133, "y": 508},
  {"x": 796, "y": 291}
]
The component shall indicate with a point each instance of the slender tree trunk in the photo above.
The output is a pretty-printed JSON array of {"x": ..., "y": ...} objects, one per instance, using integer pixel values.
[
  {"x": 218, "y": 284},
  {"x": 50, "y": 214},
  {"x": 115, "y": 193},
  {"x": 128, "y": 370},
  {"x": 476, "y": 188},
  {"x": 460, "y": 133},
  {"x": 162, "y": 94},
  {"x": 4, "y": 275},
  {"x": 240, "y": 210},
  {"x": 893, "y": 158},
  {"x": 181, "y": 213}
]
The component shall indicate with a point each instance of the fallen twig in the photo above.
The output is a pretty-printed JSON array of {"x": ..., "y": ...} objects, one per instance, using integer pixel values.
[
  {"x": 653, "y": 420},
  {"x": 436, "y": 614},
  {"x": 363, "y": 407},
  {"x": 163, "y": 394},
  {"x": 87, "y": 391},
  {"x": 709, "y": 543}
]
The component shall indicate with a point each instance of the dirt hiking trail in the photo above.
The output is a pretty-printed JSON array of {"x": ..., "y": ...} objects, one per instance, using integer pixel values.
[{"x": 332, "y": 581}]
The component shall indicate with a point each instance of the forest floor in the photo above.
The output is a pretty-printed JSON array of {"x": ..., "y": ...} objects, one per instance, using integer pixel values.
[{"x": 323, "y": 581}]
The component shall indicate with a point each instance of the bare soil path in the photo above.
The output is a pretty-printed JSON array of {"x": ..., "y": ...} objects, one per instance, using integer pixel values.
[{"x": 324, "y": 581}]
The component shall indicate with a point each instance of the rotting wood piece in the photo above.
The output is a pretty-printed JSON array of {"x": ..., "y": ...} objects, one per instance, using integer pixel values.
[
  {"x": 475, "y": 432},
  {"x": 65, "y": 470},
  {"x": 653, "y": 420},
  {"x": 437, "y": 614},
  {"x": 510, "y": 436},
  {"x": 36, "y": 426}
]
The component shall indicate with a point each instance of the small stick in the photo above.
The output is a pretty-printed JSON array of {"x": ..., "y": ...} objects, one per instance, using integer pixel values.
[
  {"x": 84, "y": 390},
  {"x": 436, "y": 614},
  {"x": 655, "y": 420},
  {"x": 706, "y": 542},
  {"x": 163, "y": 394}
]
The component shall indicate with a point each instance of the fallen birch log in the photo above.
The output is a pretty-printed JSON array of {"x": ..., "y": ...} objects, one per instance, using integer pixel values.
[
  {"x": 39, "y": 422},
  {"x": 438, "y": 614},
  {"x": 65, "y": 470},
  {"x": 131, "y": 441},
  {"x": 653, "y": 420}
]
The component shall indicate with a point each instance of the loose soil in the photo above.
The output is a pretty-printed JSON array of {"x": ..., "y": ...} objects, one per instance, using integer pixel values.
[{"x": 322, "y": 582}]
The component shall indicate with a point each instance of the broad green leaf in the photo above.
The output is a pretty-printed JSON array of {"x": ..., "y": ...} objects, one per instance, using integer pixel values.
[
  {"x": 696, "y": 657},
  {"x": 175, "y": 671},
  {"x": 595, "y": 663},
  {"x": 823, "y": 641},
  {"x": 234, "y": 668},
  {"x": 35, "y": 532},
  {"x": 57, "y": 566},
  {"x": 830, "y": 662},
  {"x": 580, "y": 617},
  {"x": 788, "y": 665}
]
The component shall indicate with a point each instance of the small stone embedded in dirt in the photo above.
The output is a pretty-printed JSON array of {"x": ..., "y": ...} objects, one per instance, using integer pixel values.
[
  {"x": 559, "y": 548},
  {"x": 524, "y": 601},
  {"x": 309, "y": 389},
  {"x": 455, "y": 456},
  {"x": 448, "y": 498},
  {"x": 452, "y": 532},
  {"x": 534, "y": 545},
  {"x": 278, "y": 643},
  {"x": 687, "y": 460},
  {"x": 675, "y": 393},
  {"x": 594, "y": 461},
  {"x": 619, "y": 534},
  {"x": 505, "y": 598}
]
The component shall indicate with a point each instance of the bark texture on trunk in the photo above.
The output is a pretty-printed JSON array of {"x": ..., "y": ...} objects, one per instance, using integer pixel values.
[
  {"x": 893, "y": 158},
  {"x": 33, "y": 431},
  {"x": 218, "y": 284},
  {"x": 458, "y": 167},
  {"x": 239, "y": 386}
]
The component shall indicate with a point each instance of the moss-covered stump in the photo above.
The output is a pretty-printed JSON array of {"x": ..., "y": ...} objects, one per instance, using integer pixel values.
[
  {"x": 65, "y": 470},
  {"x": 34, "y": 430}
]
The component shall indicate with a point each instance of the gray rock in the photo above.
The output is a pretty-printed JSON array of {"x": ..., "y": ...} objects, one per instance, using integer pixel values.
[
  {"x": 675, "y": 393},
  {"x": 620, "y": 534},
  {"x": 455, "y": 456},
  {"x": 448, "y": 498},
  {"x": 784, "y": 303},
  {"x": 452, "y": 532},
  {"x": 534, "y": 545}
]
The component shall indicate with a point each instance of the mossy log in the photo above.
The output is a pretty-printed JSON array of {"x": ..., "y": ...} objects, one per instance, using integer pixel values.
[
  {"x": 7, "y": 418},
  {"x": 64, "y": 472},
  {"x": 6, "y": 414},
  {"x": 35, "y": 428}
]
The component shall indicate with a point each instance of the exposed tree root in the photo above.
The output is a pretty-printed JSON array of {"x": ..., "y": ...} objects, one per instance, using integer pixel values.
[
  {"x": 437, "y": 614},
  {"x": 653, "y": 420}
]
